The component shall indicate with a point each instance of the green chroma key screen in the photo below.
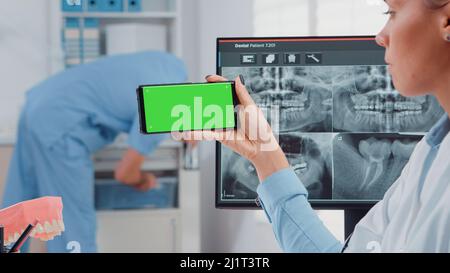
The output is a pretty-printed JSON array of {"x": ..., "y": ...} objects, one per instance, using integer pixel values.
[{"x": 186, "y": 107}]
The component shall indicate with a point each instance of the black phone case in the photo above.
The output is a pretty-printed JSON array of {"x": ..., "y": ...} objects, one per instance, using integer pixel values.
[{"x": 141, "y": 108}]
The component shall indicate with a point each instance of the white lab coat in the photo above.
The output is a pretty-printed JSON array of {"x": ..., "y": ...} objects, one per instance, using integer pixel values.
[{"x": 411, "y": 217}]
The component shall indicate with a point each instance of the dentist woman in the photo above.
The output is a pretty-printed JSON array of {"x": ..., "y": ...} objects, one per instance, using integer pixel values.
[{"x": 414, "y": 215}]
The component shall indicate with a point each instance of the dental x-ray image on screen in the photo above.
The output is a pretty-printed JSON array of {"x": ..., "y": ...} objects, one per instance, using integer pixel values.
[
  {"x": 365, "y": 166},
  {"x": 310, "y": 157},
  {"x": 364, "y": 100},
  {"x": 308, "y": 154},
  {"x": 302, "y": 95},
  {"x": 346, "y": 131}
]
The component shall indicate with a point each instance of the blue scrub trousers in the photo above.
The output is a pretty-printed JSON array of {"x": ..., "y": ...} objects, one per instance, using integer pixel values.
[{"x": 63, "y": 168}]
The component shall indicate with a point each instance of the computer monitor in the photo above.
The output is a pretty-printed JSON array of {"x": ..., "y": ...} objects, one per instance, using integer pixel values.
[{"x": 345, "y": 130}]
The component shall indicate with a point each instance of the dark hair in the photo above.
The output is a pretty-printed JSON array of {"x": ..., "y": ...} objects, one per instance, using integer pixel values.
[{"x": 436, "y": 4}]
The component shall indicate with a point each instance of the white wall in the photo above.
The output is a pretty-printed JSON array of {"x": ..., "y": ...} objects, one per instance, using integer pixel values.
[
  {"x": 190, "y": 38},
  {"x": 25, "y": 58},
  {"x": 313, "y": 17},
  {"x": 350, "y": 17},
  {"x": 282, "y": 17}
]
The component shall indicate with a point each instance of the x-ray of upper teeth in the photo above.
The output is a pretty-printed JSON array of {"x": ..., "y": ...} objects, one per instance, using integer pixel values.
[
  {"x": 366, "y": 165},
  {"x": 301, "y": 95},
  {"x": 364, "y": 100},
  {"x": 308, "y": 154}
]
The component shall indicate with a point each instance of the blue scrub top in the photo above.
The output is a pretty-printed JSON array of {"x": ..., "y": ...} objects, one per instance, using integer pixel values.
[{"x": 96, "y": 101}]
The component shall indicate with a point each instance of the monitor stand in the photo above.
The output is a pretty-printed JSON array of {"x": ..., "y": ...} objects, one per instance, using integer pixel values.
[{"x": 351, "y": 218}]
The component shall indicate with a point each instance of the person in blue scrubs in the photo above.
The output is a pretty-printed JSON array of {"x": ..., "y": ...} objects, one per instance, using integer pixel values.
[
  {"x": 70, "y": 116},
  {"x": 414, "y": 215}
]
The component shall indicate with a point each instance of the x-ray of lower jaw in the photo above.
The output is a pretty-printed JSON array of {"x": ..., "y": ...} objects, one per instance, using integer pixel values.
[
  {"x": 365, "y": 166},
  {"x": 308, "y": 154},
  {"x": 338, "y": 126}
]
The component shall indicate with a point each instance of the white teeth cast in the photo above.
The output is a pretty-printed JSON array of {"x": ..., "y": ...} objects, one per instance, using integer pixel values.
[
  {"x": 39, "y": 228},
  {"x": 46, "y": 232},
  {"x": 61, "y": 225},
  {"x": 47, "y": 227},
  {"x": 55, "y": 226}
]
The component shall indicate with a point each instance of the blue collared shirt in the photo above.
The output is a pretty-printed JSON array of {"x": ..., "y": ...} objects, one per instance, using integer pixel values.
[{"x": 296, "y": 226}]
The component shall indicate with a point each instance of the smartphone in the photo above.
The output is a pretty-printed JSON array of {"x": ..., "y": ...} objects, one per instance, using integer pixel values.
[{"x": 181, "y": 107}]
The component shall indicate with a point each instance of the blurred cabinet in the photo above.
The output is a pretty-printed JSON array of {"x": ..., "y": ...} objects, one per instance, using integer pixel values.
[
  {"x": 174, "y": 229},
  {"x": 139, "y": 231},
  {"x": 132, "y": 24}
]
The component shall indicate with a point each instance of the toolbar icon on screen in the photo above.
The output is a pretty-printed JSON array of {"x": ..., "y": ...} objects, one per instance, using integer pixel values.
[
  {"x": 248, "y": 59},
  {"x": 291, "y": 58},
  {"x": 313, "y": 58},
  {"x": 270, "y": 58}
]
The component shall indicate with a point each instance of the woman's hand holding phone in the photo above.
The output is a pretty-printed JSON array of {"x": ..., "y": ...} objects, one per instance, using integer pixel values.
[{"x": 253, "y": 139}]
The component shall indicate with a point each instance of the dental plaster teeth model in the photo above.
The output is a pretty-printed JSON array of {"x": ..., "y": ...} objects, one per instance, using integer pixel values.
[{"x": 45, "y": 211}]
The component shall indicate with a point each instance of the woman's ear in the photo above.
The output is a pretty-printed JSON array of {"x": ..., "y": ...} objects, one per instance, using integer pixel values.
[{"x": 446, "y": 22}]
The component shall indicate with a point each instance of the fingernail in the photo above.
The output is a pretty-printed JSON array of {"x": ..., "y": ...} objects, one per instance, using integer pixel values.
[
  {"x": 242, "y": 79},
  {"x": 207, "y": 76}
]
